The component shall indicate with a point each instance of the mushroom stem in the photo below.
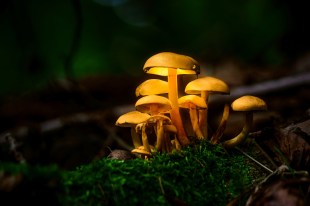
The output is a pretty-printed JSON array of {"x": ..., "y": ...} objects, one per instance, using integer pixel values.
[
  {"x": 220, "y": 130},
  {"x": 194, "y": 120},
  {"x": 176, "y": 144},
  {"x": 159, "y": 135},
  {"x": 175, "y": 112},
  {"x": 203, "y": 115},
  {"x": 168, "y": 130},
  {"x": 135, "y": 137},
  {"x": 242, "y": 135},
  {"x": 145, "y": 140},
  {"x": 168, "y": 145}
]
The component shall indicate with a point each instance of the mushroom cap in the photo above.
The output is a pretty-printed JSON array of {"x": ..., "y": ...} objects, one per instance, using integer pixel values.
[
  {"x": 132, "y": 118},
  {"x": 155, "y": 118},
  {"x": 152, "y": 86},
  {"x": 187, "y": 101},
  {"x": 207, "y": 83},
  {"x": 248, "y": 103},
  {"x": 145, "y": 104},
  {"x": 159, "y": 64}
]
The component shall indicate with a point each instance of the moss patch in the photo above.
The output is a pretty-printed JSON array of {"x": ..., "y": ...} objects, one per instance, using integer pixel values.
[
  {"x": 203, "y": 174},
  {"x": 200, "y": 174}
]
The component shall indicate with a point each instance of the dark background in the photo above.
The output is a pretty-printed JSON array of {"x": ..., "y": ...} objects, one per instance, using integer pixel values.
[{"x": 46, "y": 40}]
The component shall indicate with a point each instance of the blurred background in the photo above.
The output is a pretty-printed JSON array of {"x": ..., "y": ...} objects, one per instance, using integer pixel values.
[
  {"x": 46, "y": 40},
  {"x": 66, "y": 65}
]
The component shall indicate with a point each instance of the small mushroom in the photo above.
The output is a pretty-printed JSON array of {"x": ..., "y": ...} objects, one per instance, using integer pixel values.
[
  {"x": 131, "y": 119},
  {"x": 247, "y": 104},
  {"x": 153, "y": 104},
  {"x": 171, "y": 65},
  {"x": 204, "y": 86},
  {"x": 152, "y": 86},
  {"x": 162, "y": 123},
  {"x": 194, "y": 103}
]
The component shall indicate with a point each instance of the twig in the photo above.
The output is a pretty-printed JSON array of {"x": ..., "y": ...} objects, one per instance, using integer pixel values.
[
  {"x": 272, "y": 85},
  {"x": 13, "y": 145},
  {"x": 257, "y": 162}
]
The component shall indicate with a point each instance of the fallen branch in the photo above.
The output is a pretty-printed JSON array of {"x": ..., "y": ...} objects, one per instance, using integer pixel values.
[{"x": 267, "y": 87}]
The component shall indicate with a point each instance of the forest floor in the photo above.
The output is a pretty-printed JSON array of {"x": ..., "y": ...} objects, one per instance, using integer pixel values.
[{"x": 52, "y": 124}]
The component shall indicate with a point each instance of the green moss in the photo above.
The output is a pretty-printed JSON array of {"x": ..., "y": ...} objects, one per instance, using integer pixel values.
[{"x": 199, "y": 175}]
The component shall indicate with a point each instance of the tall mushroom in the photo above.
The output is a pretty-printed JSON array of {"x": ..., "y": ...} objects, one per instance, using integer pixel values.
[
  {"x": 131, "y": 119},
  {"x": 247, "y": 104},
  {"x": 193, "y": 103},
  {"x": 171, "y": 65},
  {"x": 204, "y": 86}
]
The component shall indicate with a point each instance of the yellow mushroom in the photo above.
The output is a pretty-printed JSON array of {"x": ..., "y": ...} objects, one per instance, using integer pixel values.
[
  {"x": 193, "y": 103},
  {"x": 152, "y": 86},
  {"x": 155, "y": 105},
  {"x": 171, "y": 65},
  {"x": 131, "y": 119},
  {"x": 204, "y": 86},
  {"x": 247, "y": 104},
  {"x": 160, "y": 121}
]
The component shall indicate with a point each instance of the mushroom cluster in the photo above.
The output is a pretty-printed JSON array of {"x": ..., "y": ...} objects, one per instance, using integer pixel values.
[{"x": 158, "y": 107}]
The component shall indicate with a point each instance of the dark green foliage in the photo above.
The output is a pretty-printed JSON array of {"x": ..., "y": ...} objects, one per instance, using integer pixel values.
[{"x": 199, "y": 175}]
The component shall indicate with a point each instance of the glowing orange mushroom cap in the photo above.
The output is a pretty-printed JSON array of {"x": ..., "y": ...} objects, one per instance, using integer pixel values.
[
  {"x": 132, "y": 118},
  {"x": 207, "y": 83},
  {"x": 153, "y": 104},
  {"x": 159, "y": 64},
  {"x": 248, "y": 103},
  {"x": 152, "y": 86},
  {"x": 188, "y": 100}
]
